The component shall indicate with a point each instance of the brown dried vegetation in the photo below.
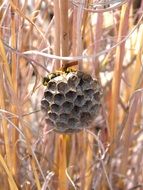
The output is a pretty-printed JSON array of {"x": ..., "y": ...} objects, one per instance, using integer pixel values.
[{"x": 103, "y": 38}]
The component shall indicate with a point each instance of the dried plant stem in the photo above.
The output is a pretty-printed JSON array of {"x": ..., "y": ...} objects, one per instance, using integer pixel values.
[
  {"x": 63, "y": 49},
  {"x": 13, "y": 45},
  {"x": 85, "y": 19},
  {"x": 15, "y": 133},
  {"x": 123, "y": 28},
  {"x": 4, "y": 62},
  {"x": 89, "y": 159},
  {"x": 57, "y": 31},
  {"x": 98, "y": 37},
  {"x": 4, "y": 130},
  {"x": 82, "y": 141},
  {"x": 77, "y": 46},
  {"x": 33, "y": 19},
  {"x": 64, "y": 26},
  {"x": 136, "y": 111},
  {"x": 134, "y": 81},
  {"x": 62, "y": 162},
  {"x": 78, "y": 27},
  {"x": 33, "y": 165},
  {"x": 8, "y": 164},
  {"x": 11, "y": 181},
  {"x": 127, "y": 138},
  {"x": 32, "y": 160},
  {"x": 137, "y": 68}
]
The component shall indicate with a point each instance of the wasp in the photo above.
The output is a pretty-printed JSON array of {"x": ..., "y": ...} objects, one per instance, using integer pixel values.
[
  {"x": 56, "y": 74},
  {"x": 49, "y": 77}
]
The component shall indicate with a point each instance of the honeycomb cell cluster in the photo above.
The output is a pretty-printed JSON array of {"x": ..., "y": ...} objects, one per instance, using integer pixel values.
[{"x": 71, "y": 101}]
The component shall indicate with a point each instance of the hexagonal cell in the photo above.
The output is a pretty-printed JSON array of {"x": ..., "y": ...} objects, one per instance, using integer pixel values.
[
  {"x": 53, "y": 116},
  {"x": 72, "y": 122},
  {"x": 85, "y": 85},
  {"x": 59, "y": 99},
  {"x": 79, "y": 101},
  {"x": 45, "y": 104},
  {"x": 88, "y": 104},
  {"x": 62, "y": 87},
  {"x": 50, "y": 122},
  {"x": 55, "y": 108},
  {"x": 73, "y": 80},
  {"x": 85, "y": 118},
  {"x": 79, "y": 90},
  {"x": 67, "y": 107},
  {"x": 95, "y": 85},
  {"x": 88, "y": 94},
  {"x": 80, "y": 74},
  {"x": 97, "y": 96},
  {"x": 75, "y": 111},
  {"x": 80, "y": 83},
  {"x": 95, "y": 109},
  {"x": 61, "y": 126},
  {"x": 63, "y": 117},
  {"x": 52, "y": 85},
  {"x": 87, "y": 78},
  {"x": 48, "y": 96},
  {"x": 71, "y": 95}
]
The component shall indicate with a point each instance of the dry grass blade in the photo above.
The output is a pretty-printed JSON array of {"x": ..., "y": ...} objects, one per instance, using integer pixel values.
[
  {"x": 135, "y": 103},
  {"x": 62, "y": 162},
  {"x": 57, "y": 31},
  {"x": 10, "y": 177},
  {"x": 76, "y": 41},
  {"x": 4, "y": 65},
  {"x": 123, "y": 29},
  {"x": 64, "y": 25}
]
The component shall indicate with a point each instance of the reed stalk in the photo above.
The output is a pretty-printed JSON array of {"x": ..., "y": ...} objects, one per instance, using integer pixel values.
[
  {"x": 62, "y": 181},
  {"x": 107, "y": 40},
  {"x": 64, "y": 26},
  {"x": 14, "y": 69},
  {"x": 4, "y": 124},
  {"x": 115, "y": 93},
  {"x": 61, "y": 48},
  {"x": 57, "y": 31}
]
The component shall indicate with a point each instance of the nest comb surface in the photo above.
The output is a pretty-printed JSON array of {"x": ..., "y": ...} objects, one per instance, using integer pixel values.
[{"x": 71, "y": 101}]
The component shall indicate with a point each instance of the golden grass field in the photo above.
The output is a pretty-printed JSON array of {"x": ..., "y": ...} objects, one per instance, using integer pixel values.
[{"x": 101, "y": 37}]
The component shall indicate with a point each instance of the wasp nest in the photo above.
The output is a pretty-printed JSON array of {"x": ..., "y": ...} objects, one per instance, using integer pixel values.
[{"x": 71, "y": 101}]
